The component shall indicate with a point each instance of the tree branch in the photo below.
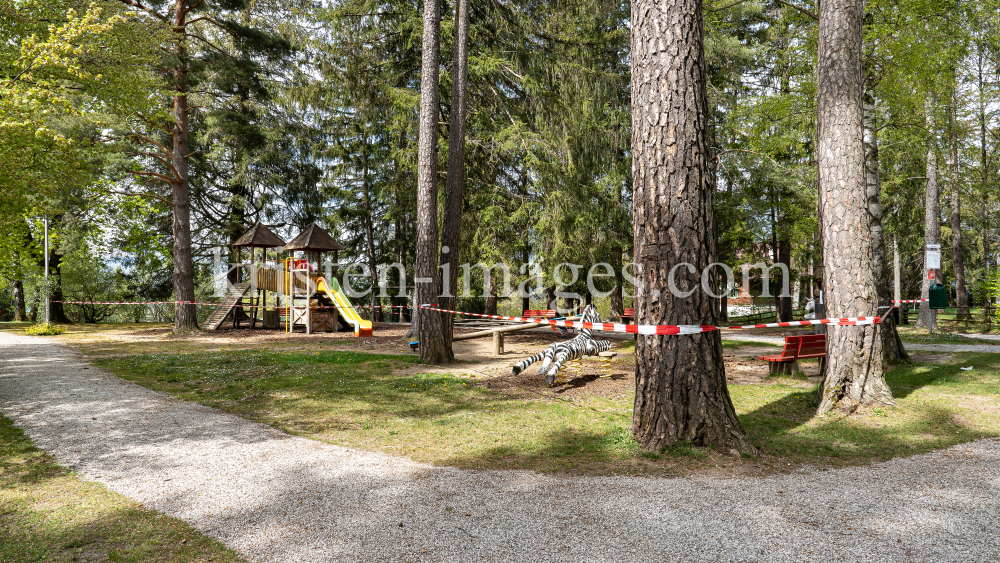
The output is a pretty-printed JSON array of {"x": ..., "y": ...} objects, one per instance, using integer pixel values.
[
  {"x": 148, "y": 10},
  {"x": 156, "y": 175},
  {"x": 142, "y": 194},
  {"x": 209, "y": 43},
  {"x": 153, "y": 142},
  {"x": 726, "y": 7},
  {"x": 803, "y": 10},
  {"x": 192, "y": 7},
  {"x": 162, "y": 160},
  {"x": 204, "y": 18}
]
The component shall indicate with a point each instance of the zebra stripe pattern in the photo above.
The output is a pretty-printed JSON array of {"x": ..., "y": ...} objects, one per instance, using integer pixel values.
[{"x": 559, "y": 353}]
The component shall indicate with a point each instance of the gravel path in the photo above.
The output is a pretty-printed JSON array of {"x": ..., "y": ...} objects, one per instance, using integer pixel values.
[{"x": 278, "y": 498}]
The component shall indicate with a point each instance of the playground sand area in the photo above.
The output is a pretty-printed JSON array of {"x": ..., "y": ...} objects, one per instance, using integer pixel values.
[{"x": 612, "y": 379}]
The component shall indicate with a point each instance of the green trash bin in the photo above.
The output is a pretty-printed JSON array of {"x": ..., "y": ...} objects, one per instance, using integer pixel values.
[{"x": 938, "y": 296}]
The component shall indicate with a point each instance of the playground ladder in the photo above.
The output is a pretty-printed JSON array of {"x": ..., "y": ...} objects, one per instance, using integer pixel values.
[
  {"x": 221, "y": 312},
  {"x": 300, "y": 314}
]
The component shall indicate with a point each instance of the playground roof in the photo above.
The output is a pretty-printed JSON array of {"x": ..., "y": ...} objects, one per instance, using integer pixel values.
[
  {"x": 259, "y": 236},
  {"x": 313, "y": 238}
]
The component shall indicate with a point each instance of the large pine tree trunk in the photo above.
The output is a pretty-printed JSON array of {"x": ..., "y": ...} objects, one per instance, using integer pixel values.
[
  {"x": 853, "y": 374},
  {"x": 616, "y": 301},
  {"x": 958, "y": 256},
  {"x": 892, "y": 346},
  {"x": 36, "y": 305},
  {"x": 897, "y": 284},
  {"x": 235, "y": 223},
  {"x": 984, "y": 160},
  {"x": 681, "y": 394},
  {"x": 185, "y": 318},
  {"x": 451, "y": 236},
  {"x": 784, "y": 300},
  {"x": 57, "y": 313},
  {"x": 932, "y": 226},
  {"x": 376, "y": 315},
  {"x": 20, "y": 311},
  {"x": 491, "y": 293},
  {"x": 434, "y": 348}
]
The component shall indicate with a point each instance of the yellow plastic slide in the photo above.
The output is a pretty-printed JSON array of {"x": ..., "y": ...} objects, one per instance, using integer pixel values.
[{"x": 347, "y": 311}]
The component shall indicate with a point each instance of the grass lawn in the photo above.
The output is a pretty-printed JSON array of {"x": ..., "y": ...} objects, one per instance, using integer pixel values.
[
  {"x": 944, "y": 335},
  {"x": 49, "y": 514},
  {"x": 355, "y": 399},
  {"x": 84, "y": 329}
]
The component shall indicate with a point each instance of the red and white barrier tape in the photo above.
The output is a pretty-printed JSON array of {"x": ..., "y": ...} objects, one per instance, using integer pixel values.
[
  {"x": 896, "y": 303},
  {"x": 661, "y": 330},
  {"x": 665, "y": 329},
  {"x": 210, "y": 304}
]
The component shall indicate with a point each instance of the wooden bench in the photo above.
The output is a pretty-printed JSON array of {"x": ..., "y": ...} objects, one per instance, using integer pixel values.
[
  {"x": 627, "y": 316},
  {"x": 796, "y": 348},
  {"x": 539, "y": 314}
]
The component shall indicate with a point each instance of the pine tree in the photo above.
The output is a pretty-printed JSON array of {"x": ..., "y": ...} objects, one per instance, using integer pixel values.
[
  {"x": 853, "y": 373},
  {"x": 681, "y": 393},
  {"x": 192, "y": 23}
]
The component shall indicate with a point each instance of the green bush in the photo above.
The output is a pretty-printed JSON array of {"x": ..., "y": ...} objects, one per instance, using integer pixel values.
[
  {"x": 44, "y": 329},
  {"x": 988, "y": 292}
]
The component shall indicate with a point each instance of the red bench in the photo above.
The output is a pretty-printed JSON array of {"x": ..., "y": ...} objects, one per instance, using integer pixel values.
[
  {"x": 627, "y": 315},
  {"x": 796, "y": 348},
  {"x": 539, "y": 314}
]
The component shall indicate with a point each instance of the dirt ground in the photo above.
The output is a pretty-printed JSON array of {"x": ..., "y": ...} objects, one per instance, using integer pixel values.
[{"x": 474, "y": 358}]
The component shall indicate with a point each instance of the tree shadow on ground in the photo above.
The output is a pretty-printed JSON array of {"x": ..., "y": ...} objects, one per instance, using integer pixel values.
[
  {"x": 48, "y": 513},
  {"x": 570, "y": 450},
  {"x": 788, "y": 427},
  {"x": 904, "y": 380}
]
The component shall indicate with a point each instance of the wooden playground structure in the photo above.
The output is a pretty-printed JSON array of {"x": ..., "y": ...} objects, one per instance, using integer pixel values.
[{"x": 299, "y": 296}]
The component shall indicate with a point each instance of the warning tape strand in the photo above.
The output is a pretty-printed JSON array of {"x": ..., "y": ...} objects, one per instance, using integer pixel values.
[
  {"x": 651, "y": 330},
  {"x": 211, "y": 304},
  {"x": 662, "y": 330},
  {"x": 897, "y": 302}
]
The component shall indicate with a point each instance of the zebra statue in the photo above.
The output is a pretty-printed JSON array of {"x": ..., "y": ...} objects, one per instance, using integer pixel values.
[{"x": 557, "y": 354}]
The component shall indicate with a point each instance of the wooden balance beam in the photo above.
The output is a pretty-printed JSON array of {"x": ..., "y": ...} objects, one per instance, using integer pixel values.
[{"x": 497, "y": 334}]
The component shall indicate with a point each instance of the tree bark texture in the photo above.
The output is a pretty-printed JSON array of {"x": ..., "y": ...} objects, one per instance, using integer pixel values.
[
  {"x": 36, "y": 305},
  {"x": 20, "y": 310},
  {"x": 616, "y": 300},
  {"x": 376, "y": 315},
  {"x": 784, "y": 257},
  {"x": 434, "y": 348},
  {"x": 185, "y": 317},
  {"x": 958, "y": 256},
  {"x": 491, "y": 294},
  {"x": 20, "y": 313},
  {"x": 897, "y": 284},
  {"x": 932, "y": 225},
  {"x": 57, "y": 313},
  {"x": 451, "y": 236},
  {"x": 985, "y": 162},
  {"x": 854, "y": 376},
  {"x": 892, "y": 346},
  {"x": 236, "y": 224},
  {"x": 681, "y": 394}
]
